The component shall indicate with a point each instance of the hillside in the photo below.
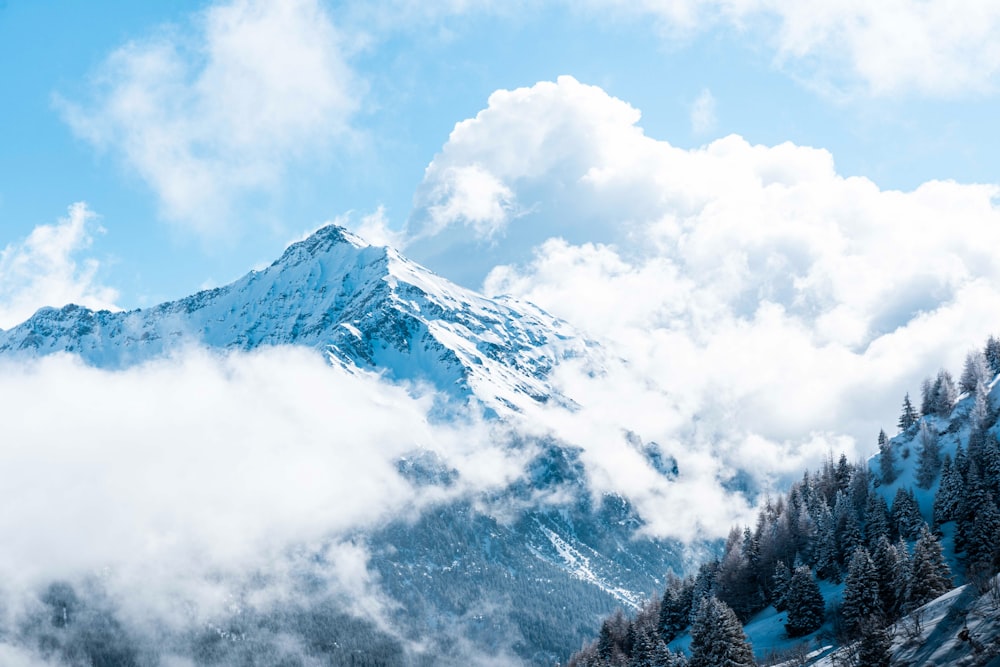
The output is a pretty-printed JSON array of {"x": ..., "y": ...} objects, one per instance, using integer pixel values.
[{"x": 857, "y": 564}]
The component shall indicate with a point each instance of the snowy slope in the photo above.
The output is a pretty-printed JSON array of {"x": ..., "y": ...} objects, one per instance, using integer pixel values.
[
  {"x": 364, "y": 306},
  {"x": 532, "y": 584}
]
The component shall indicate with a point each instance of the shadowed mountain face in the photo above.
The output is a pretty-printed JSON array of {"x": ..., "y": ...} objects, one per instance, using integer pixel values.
[{"x": 525, "y": 571}]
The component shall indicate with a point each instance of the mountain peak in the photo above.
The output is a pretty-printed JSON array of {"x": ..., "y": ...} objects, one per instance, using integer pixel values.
[
  {"x": 365, "y": 307},
  {"x": 320, "y": 241}
]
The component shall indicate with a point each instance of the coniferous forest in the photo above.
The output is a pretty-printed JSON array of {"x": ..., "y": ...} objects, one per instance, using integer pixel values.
[{"x": 888, "y": 536}]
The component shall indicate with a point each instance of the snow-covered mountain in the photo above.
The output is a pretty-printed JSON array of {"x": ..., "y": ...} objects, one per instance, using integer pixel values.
[
  {"x": 364, "y": 306},
  {"x": 525, "y": 570}
]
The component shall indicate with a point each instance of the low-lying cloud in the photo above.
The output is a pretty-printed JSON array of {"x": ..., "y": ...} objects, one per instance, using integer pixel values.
[{"x": 163, "y": 478}]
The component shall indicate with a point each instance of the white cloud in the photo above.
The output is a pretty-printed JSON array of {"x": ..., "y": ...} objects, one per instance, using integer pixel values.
[
  {"x": 768, "y": 308},
  {"x": 178, "y": 478},
  {"x": 45, "y": 269},
  {"x": 703, "y": 112},
  {"x": 846, "y": 47},
  {"x": 219, "y": 110}
]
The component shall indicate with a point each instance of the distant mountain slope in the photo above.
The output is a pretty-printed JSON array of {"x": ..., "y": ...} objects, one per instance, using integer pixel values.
[
  {"x": 524, "y": 570},
  {"x": 364, "y": 306}
]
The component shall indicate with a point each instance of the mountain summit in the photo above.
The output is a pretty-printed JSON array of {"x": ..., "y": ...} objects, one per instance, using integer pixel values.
[{"x": 364, "y": 306}]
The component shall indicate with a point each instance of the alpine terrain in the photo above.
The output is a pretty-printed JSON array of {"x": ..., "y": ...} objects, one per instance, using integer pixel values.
[
  {"x": 523, "y": 572},
  {"x": 889, "y": 562}
]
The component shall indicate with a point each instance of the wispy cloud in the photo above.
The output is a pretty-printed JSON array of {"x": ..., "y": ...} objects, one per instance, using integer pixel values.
[
  {"x": 843, "y": 47},
  {"x": 218, "y": 109},
  {"x": 703, "y": 113},
  {"x": 45, "y": 269}
]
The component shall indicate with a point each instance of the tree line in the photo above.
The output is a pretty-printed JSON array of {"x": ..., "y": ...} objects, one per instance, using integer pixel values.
[{"x": 835, "y": 525}]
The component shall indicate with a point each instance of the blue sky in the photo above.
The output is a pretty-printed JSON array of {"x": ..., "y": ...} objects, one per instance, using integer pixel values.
[
  {"x": 783, "y": 217},
  {"x": 776, "y": 217},
  {"x": 414, "y": 73}
]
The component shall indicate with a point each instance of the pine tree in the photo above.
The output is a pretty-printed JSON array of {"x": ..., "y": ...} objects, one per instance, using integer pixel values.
[
  {"x": 975, "y": 371},
  {"x": 675, "y": 608},
  {"x": 908, "y": 417},
  {"x": 886, "y": 459},
  {"x": 943, "y": 394},
  {"x": 949, "y": 493},
  {"x": 981, "y": 536},
  {"x": 782, "y": 576},
  {"x": 704, "y": 586},
  {"x": 861, "y": 594},
  {"x": 717, "y": 638},
  {"x": 804, "y": 602},
  {"x": 888, "y": 562},
  {"x": 989, "y": 463},
  {"x": 876, "y": 520},
  {"x": 606, "y": 644},
  {"x": 842, "y": 473},
  {"x": 926, "y": 397},
  {"x": 650, "y": 651},
  {"x": 860, "y": 488},
  {"x": 929, "y": 457},
  {"x": 825, "y": 548},
  {"x": 847, "y": 535},
  {"x": 992, "y": 354},
  {"x": 930, "y": 574},
  {"x": 875, "y": 644},
  {"x": 905, "y": 515}
]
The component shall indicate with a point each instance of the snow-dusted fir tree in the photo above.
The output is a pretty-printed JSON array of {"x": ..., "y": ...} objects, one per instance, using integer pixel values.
[
  {"x": 928, "y": 457},
  {"x": 975, "y": 371},
  {"x": 825, "y": 545},
  {"x": 905, "y": 514},
  {"x": 886, "y": 459},
  {"x": 804, "y": 602},
  {"x": 717, "y": 638},
  {"x": 926, "y": 397},
  {"x": 704, "y": 585},
  {"x": 875, "y": 644},
  {"x": 847, "y": 535},
  {"x": 779, "y": 581},
  {"x": 945, "y": 394},
  {"x": 675, "y": 607},
  {"x": 978, "y": 523},
  {"x": 889, "y": 563},
  {"x": 861, "y": 594},
  {"x": 650, "y": 651},
  {"x": 908, "y": 417},
  {"x": 930, "y": 574},
  {"x": 949, "y": 493},
  {"x": 992, "y": 354},
  {"x": 876, "y": 520}
]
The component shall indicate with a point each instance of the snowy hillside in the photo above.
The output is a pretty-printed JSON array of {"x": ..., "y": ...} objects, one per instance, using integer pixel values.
[
  {"x": 364, "y": 306},
  {"x": 858, "y": 564}
]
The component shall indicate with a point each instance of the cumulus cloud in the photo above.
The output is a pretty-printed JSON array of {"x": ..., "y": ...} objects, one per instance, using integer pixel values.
[
  {"x": 207, "y": 113},
  {"x": 844, "y": 47},
  {"x": 45, "y": 269},
  {"x": 767, "y": 308}
]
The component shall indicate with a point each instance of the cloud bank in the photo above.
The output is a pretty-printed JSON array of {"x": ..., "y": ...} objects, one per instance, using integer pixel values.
[
  {"x": 768, "y": 308},
  {"x": 216, "y": 111},
  {"x": 170, "y": 477},
  {"x": 46, "y": 269}
]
